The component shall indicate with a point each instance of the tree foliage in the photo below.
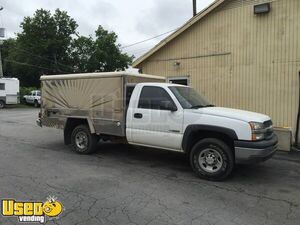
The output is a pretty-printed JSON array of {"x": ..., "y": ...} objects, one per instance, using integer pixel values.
[
  {"x": 101, "y": 54},
  {"x": 50, "y": 44}
]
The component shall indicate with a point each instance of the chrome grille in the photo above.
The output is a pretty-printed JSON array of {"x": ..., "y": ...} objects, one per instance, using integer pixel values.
[{"x": 269, "y": 129}]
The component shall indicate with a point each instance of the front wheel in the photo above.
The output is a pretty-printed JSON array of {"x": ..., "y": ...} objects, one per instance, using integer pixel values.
[
  {"x": 2, "y": 104},
  {"x": 36, "y": 104},
  {"x": 83, "y": 142},
  {"x": 212, "y": 159}
]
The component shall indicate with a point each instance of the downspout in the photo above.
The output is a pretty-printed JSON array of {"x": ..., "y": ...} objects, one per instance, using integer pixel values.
[
  {"x": 194, "y": 8},
  {"x": 298, "y": 118}
]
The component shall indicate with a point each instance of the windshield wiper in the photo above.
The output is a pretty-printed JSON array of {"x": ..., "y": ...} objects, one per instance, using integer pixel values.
[
  {"x": 201, "y": 106},
  {"x": 197, "y": 106}
]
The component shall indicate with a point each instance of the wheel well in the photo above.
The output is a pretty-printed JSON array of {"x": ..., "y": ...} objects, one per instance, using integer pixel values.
[
  {"x": 69, "y": 127},
  {"x": 196, "y": 136},
  {"x": 3, "y": 102}
]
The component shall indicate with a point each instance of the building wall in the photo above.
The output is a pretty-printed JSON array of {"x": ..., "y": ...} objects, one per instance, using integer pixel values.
[{"x": 239, "y": 59}]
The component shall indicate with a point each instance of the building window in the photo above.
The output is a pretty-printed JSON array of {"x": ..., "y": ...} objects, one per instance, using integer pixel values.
[
  {"x": 2, "y": 86},
  {"x": 262, "y": 8},
  {"x": 179, "y": 80}
]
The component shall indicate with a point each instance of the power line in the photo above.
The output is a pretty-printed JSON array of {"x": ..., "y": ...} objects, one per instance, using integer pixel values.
[
  {"x": 149, "y": 39},
  {"x": 45, "y": 58},
  {"x": 25, "y": 64},
  {"x": 138, "y": 50},
  {"x": 31, "y": 65}
]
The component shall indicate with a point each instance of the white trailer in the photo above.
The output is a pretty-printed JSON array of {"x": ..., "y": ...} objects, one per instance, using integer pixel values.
[{"x": 9, "y": 91}]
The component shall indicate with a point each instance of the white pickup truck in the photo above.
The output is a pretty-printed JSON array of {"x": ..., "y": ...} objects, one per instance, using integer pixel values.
[
  {"x": 144, "y": 111},
  {"x": 33, "y": 98}
]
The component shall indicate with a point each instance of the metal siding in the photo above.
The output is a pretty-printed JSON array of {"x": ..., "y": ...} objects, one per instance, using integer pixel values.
[{"x": 260, "y": 73}]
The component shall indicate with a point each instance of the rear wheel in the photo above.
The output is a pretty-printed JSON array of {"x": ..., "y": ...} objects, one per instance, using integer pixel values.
[
  {"x": 83, "y": 142},
  {"x": 212, "y": 159},
  {"x": 36, "y": 104},
  {"x": 2, "y": 104}
]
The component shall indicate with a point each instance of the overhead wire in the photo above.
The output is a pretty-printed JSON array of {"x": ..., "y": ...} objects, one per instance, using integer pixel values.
[
  {"x": 149, "y": 39},
  {"x": 25, "y": 64}
]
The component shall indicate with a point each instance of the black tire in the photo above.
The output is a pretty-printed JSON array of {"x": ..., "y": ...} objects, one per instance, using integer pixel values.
[
  {"x": 212, "y": 159},
  {"x": 36, "y": 104},
  {"x": 2, "y": 104},
  {"x": 88, "y": 144}
]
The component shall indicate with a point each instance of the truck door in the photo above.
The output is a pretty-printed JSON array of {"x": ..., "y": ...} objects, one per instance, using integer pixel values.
[
  {"x": 151, "y": 124},
  {"x": 31, "y": 97}
]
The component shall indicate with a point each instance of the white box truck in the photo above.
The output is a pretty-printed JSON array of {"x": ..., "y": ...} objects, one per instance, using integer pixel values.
[
  {"x": 143, "y": 110},
  {"x": 9, "y": 91}
]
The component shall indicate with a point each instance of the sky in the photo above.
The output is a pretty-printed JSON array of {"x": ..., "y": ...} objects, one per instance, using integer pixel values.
[{"x": 131, "y": 20}]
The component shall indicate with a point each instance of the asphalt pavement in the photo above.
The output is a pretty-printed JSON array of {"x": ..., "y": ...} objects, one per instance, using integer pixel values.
[{"x": 120, "y": 184}]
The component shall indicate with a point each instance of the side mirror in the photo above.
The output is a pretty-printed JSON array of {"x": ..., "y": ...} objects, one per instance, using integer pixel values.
[{"x": 168, "y": 105}]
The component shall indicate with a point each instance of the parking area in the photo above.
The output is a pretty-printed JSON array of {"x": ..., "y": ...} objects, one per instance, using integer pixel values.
[{"x": 120, "y": 184}]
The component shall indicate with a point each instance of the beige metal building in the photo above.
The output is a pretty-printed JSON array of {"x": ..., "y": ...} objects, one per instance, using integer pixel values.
[{"x": 238, "y": 53}]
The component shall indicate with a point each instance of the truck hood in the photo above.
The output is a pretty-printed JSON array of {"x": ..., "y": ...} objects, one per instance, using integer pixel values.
[{"x": 234, "y": 114}]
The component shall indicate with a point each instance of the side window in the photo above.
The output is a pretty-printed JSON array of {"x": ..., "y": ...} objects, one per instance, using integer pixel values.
[
  {"x": 38, "y": 93},
  {"x": 152, "y": 97},
  {"x": 129, "y": 90},
  {"x": 2, "y": 86}
]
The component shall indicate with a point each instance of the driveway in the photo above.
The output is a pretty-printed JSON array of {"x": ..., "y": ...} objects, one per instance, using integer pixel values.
[{"x": 125, "y": 185}]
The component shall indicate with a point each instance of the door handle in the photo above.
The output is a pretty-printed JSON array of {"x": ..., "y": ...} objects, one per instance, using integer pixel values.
[{"x": 138, "y": 115}]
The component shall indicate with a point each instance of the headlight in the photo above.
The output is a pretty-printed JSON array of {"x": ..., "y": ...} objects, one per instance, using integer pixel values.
[
  {"x": 258, "y": 131},
  {"x": 257, "y": 126}
]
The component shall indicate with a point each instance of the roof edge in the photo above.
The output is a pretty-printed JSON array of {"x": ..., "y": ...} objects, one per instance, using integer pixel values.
[
  {"x": 96, "y": 75},
  {"x": 180, "y": 30}
]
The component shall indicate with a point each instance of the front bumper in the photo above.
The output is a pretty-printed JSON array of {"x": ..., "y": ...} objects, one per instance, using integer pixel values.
[{"x": 248, "y": 152}]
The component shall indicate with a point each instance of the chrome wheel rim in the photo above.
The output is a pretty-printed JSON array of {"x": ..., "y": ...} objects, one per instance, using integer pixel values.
[
  {"x": 81, "y": 140},
  {"x": 210, "y": 160}
]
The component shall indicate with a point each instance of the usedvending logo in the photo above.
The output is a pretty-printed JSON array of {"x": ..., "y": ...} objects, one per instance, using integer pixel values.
[{"x": 32, "y": 212}]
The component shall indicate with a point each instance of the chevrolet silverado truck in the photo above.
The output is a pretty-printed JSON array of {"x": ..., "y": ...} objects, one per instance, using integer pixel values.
[
  {"x": 33, "y": 98},
  {"x": 143, "y": 110}
]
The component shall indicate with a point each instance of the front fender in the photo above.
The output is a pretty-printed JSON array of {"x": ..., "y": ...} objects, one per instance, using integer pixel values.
[{"x": 206, "y": 128}]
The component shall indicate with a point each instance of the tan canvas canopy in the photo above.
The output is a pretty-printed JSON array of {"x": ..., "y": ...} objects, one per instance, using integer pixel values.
[{"x": 98, "y": 96}]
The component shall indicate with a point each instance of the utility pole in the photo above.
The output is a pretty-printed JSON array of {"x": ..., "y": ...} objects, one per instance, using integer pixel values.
[
  {"x": 194, "y": 7},
  {"x": 1, "y": 68},
  {"x": 1, "y": 36}
]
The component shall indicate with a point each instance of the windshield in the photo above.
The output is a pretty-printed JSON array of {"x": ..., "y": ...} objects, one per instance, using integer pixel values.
[{"x": 189, "y": 98}]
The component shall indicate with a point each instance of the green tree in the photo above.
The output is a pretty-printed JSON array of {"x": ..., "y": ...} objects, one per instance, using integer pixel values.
[
  {"x": 50, "y": 44},
  {"x": 100, "y": 54},
  {"x": 82, "y": 51},
  {"x": 43, "y": 46},
  {"x": 7, "y": 48}
]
